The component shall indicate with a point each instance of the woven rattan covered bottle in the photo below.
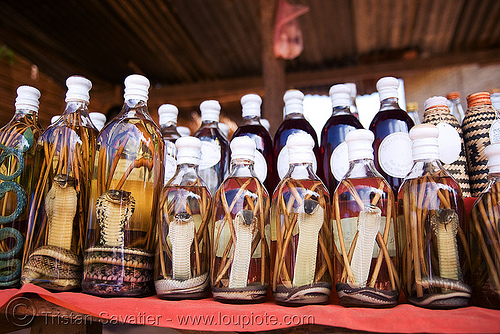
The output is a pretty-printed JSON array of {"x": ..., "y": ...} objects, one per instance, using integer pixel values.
[
  {"x": 17, "y": 146},
  {"x": 479, "y": 132},
  {"x": 61, "y": 192},
  {"x": 127, "y": 180},
  {"x": 239, "y": 232},
  {"x": 182, "y": 256},
  {"x": 451, "y": 144},
  {"x": 364, "y": 212},
  {"x": 431, "y": 229},
  {"x": 301, "y": 230},
  {"x": 485, "y": 237},
  {"x": 168, "y": 121}
]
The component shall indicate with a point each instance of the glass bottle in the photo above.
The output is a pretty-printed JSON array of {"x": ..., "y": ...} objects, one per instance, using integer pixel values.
[
  {"x": 431, "y": 231},
  {"x": 412, "y": 110},
  {"x": 182, "y": 253},
  {"x": 265, "y": 123},
  {"x": 17, "y": 146},
  {"x": 480, "y": 127},
  {"x": 352, "y": 99},
  {"x": 126, "y": 184},
  {"x": 251, "y": 127},
  {"x": 301, "y": 230},
  {"x": 239, "y": 231},
  {"x": 184, "y": 131},
  {"x": 168, "y": 126},
  {"x": 333, "y": 146},
  {"x": 293, "y": 122},
  {"x": 224, "y": 129},
  {"x": 451, "y": 144},
  {"x": 59, "y": 209},
  {"x": 456, "y": 108},
  {"x": 364, "y": 212},
  {"x": 485, "y": 237},
  {"x": 98, "y": 119},
  {"x": 214, "y": 159},
  {"x": 392, "y": 145}
]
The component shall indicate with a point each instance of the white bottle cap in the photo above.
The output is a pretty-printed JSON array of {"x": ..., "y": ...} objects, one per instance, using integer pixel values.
[
  {"x": 99, "y": 119},
  {"x": 54, "y": 119},
  {"x": 359, "y": 144},
  {"x": 224, "y": 128},
  {"x": 265, "y": 123},
  {"x": 293, "y": 101},
  {"x": 168, "y": 114},
  {"x": 352, "y": 88},
  {"x": 242, "y": 148},
  {"x": 136, "y": 87},
  {"x": 27, "y": 98},
  {"x": 251, "y": 105},
  {"x": 300, "y": 148},
  {"x": 435, "y": 101},
  {"x": 387, "y": 87},
  {"x": 492, "y": 152},
  {"x": 210, "y": 110},
  {"x": 78, "y": 89},
  {"x": 495, "y": 100},
  {"x": 340, "y": 95},
  {"x": 425, "y": 143},
  {"x": 188, "y": 150},
  {"x": 184, "y": 131}
]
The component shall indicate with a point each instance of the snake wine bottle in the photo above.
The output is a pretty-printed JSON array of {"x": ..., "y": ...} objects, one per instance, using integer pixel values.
[
  {"x": 301, "y": 231},
  {"x": 58, "y": 213},
  {"x": 485, "y": 237},
  {"x": 239, "y": 231},
  {"x": 432, "y": 234},
  {"x": 128, "y": 176},
  {"x": 168, "y": 121},
  {"x": 365, "y": 248},
  {"x": 183, "y": 255},
  {"x": 17, "y": 146}
]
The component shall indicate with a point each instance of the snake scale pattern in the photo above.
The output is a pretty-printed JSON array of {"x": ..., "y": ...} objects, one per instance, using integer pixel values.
[
  {"x": 111, "y": 269},
  {"x": 447, "y": 290}
]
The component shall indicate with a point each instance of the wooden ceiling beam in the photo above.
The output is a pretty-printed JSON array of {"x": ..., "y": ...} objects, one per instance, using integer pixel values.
[{"x": 187, "y": 95}]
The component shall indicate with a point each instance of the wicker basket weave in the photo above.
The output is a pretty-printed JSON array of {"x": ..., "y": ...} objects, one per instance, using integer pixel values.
[
  {"x": 478, "y": 119},
  {"x": 458, "y": 169}
]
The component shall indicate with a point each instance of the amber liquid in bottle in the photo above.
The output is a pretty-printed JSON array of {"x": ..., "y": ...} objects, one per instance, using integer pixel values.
[
  {"x": 17, "y": 146},
  {"x": 241, "y": 207},
  {"x": 332, "y": 135},
  {"x": 364, "y": 215}
]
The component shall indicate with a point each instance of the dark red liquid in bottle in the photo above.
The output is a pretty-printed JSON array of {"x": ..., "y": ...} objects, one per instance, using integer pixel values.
[
  {"x": 294, "y": 123},
  {"x": 388, "y": 120},
  {"x": 332, "y": 135},
  {"x": 264, "y": 145}
]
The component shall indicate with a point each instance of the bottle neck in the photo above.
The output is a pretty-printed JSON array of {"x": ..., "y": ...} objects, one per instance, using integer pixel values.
[
  {"x": 135, "y": 108},
  {"x": 169, "y": 128},
  {"x": 25, "y": 112},
  {"x": 341, "y": 110},
  {"x": 294, "y": 115},
  {"x": 77, "y": 106},
  {"x": 361, "y": 168},
  {"x": 425, "y": 166},
  {"x": 495, "y": 176},
  {"x": 390, "y": 103},
  {"x": 186, "y": 173},
  {"x": 251, "y": 120},
  {"x": 301, "y": 171},
  {"x": 210, "y": 123},
  {"x": 242, "y": 168}
]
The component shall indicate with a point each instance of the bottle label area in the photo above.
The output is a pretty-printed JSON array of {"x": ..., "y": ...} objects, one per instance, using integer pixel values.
[
  {"x": 210, "y": 154},
  {"x": 395, "y": 154},
  {"x": 260, "y": 166},
  {"x": 339, "y": 161},
  {"x": 495, "y": 132},
  {"x": 169, "y": 160},
  {"x": 284, "y": 164},
  {"x": 450, "y": 144}
]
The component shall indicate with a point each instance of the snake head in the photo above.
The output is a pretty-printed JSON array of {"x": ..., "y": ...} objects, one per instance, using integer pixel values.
[
  {"x": 64, "y": 180},
  {"x": 182, "y": 217},
  {"x": 310, "y": 206},
  {"x": 247, "y": 216},
  {"x": 118, "y": 196},
  {"x": 449, "y": 218}
]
